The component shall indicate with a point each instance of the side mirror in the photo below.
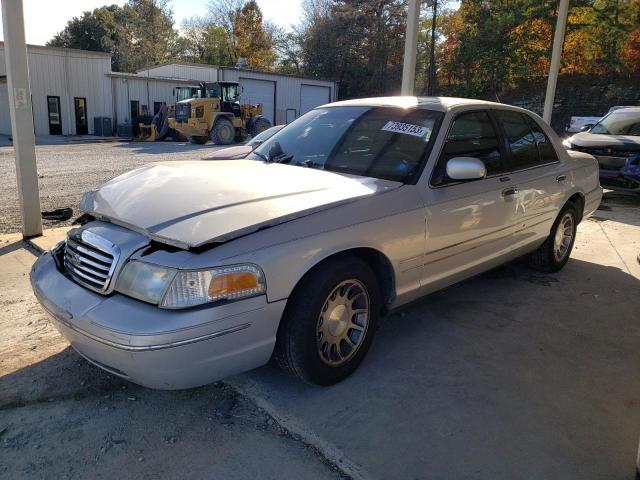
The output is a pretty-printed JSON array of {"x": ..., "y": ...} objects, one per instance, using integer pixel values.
[
  {"x": 466, "y": 168},
  {"x": 586, "y": 127}
]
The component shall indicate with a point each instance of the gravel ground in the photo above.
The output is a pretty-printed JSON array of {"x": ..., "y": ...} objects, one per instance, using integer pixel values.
[{"x": 67, "y": 171}]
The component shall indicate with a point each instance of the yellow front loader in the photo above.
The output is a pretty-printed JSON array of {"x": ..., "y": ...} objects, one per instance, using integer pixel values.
[{"x": 215, "y": 114}]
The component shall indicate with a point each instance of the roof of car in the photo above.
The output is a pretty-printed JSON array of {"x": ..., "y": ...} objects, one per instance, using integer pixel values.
[{"x": 434, "y": 103}]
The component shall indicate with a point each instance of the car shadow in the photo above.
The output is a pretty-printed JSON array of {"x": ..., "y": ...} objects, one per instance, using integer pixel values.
[
  {"x": 510, "y": 364},
  {"x": 167, "y": 147}
]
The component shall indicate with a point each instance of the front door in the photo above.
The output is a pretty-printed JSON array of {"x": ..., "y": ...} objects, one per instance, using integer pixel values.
[
  {"x": 55, "y": 119},
  {"x": 469, "y": 224},
  {"x": 80, "y": 107}
]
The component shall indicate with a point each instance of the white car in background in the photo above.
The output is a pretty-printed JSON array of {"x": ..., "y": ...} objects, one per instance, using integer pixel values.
[
  {"x": 193, "y": 271},
  {"x": 580, "y": 124}
]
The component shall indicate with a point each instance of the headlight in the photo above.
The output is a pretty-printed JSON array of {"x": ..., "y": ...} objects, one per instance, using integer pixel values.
[
  {"x": 144, "y": 281},
  {"x": 190, "y": 288},
  {"x": 566, "y": 143}
]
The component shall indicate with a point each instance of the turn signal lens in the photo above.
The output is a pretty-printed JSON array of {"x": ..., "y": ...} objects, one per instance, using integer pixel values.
[
  {"x": 232, "y": 283},
  {"x": 190, "y": 288}
]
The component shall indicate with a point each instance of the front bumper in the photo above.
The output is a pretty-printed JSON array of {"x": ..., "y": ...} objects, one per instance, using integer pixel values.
[
  {"x": 190, "y": 128},
  {"x": 165, "y": 349}
]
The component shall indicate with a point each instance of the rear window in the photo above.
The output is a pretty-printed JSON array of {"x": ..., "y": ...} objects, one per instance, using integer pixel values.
[{"x": 522, "y": 142}]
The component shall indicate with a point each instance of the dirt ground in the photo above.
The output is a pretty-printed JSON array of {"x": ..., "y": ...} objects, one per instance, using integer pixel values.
[
  {"x": 65, "y": 172},
  {"x": 61, "y": 417}
]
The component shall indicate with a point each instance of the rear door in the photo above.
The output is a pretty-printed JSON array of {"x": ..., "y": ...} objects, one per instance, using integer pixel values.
[
  {"x": 470, "y": 224},
  {"x": 536, "y": 172}
]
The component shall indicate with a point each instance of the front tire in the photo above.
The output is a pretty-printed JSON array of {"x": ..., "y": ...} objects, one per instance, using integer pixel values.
[
  {"x": 329, "y": 322},
  {"x": 259, "y": 125},
  {"x": 554, "y": 253},
  {"x": 223, "y": 132}
]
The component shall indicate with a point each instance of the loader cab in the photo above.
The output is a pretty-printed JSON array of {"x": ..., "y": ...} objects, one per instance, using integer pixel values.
[{"x": 227, "y": 92}]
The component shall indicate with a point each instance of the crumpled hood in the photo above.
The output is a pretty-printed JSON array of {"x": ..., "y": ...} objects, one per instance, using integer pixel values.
[
  {"x": 188, "y": 204},
  {"x": 595, "y": 140}
]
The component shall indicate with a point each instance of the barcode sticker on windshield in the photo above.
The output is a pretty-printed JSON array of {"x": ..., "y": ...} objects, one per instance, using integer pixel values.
[{"x": 406, "y": 128}]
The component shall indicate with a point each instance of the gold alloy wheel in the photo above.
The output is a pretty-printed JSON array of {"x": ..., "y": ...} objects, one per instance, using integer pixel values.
[
  {"x": 563, "y": 237},
  {"x": 342, "y": 323}
]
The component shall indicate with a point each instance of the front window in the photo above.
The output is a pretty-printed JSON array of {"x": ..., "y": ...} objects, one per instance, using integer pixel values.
[
  {"x": 619, "y": 122},
  {"x": 472, "y": 134},
  {"x": 229, "y": 93},
  {"x": 381, "y": 142},
  {"x": 213, "y": 90}
]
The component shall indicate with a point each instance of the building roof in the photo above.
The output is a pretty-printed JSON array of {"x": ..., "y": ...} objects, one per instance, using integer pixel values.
[
  {"x": 263, "y": 72},
  {"x": 140, "y": 76},
  {"x": 63, "y": 50}
]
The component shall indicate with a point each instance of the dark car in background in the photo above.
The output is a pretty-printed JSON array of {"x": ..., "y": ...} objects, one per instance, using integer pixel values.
[
  {"x": 615, "y": 142},
  {"x": 241, "y": 151}
]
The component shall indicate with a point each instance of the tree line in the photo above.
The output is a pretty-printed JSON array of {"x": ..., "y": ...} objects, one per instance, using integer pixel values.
[{"x": 474, "y": 48}]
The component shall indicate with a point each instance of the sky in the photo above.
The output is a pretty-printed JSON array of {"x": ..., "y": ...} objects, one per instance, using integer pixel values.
[{"x": 45, "y": 18}]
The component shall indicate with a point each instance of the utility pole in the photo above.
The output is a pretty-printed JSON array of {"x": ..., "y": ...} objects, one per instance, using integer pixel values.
[
  {"x": 410, "y": 48},
  {"x": 432, "y": 57},
  {"x": 15, "y": 51},
  {"x": 556, "y": 54}
]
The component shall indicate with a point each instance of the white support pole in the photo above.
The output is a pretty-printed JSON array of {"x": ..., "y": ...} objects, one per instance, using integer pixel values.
[
  {"x": 556, "y": 54},
  {"x": 410, "y": 48},
  {"x": 15, "y": 51}
]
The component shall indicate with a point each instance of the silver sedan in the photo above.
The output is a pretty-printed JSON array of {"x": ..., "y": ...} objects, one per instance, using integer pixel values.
[{"x": 192, "y": 271}]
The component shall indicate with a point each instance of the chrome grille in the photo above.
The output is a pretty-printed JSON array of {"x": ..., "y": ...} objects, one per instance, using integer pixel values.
[{"x": 90, "y": 259}]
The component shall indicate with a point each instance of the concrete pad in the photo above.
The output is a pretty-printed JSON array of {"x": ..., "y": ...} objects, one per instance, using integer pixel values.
[
  {"x": 514, "y": 374},
  {"x": 50, "y": 237}
]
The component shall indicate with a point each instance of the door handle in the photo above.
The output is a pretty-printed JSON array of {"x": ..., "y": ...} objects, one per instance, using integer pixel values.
[
  {"x": 561, "y": 178},
  {"x": 507, "y": 192}
]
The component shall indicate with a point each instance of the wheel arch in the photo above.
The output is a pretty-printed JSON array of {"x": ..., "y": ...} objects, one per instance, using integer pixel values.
[
  {"x": 578, "y": 200},
  {"x": 218, "y": 115},
  {"x": 377, "y": 260}
]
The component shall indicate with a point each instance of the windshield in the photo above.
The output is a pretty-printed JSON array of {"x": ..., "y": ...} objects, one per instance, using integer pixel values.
[
  {"x": 619, "y": 122},
  {"x": 381, "y": 142}
]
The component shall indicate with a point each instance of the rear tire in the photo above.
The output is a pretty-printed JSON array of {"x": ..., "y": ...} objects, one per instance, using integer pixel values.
[
  {"x": 329, "y": 322},
  {"x": 198, "y": 140},
  {"x": 259, "y": 125},
  {"x": 554, "y": 253},
  {"x": 223, "y": 132}
]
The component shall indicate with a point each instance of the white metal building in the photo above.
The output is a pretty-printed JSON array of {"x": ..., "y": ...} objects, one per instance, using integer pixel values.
[
  {"x": 283, "y": 97},
  {"x": 70, "y": 88}
]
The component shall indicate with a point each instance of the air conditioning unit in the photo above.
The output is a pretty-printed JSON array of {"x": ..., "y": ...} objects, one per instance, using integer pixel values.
[
  {"x": 102, "y": 126},
  {"x": 125, "y": 130}
]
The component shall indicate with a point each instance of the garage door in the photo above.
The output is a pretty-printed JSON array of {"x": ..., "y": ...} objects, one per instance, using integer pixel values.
[
  {"x": 262, "y": 92},
  {"x": 311, "y": 96}
]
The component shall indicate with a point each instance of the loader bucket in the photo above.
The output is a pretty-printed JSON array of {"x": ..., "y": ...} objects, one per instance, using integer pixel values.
[{"x": 148, "y": 133}]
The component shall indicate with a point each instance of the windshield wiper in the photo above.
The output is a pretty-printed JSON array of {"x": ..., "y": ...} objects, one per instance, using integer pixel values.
[
  {"x": 282, "y": 158},
  {"x": 262, "y": 156}
]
